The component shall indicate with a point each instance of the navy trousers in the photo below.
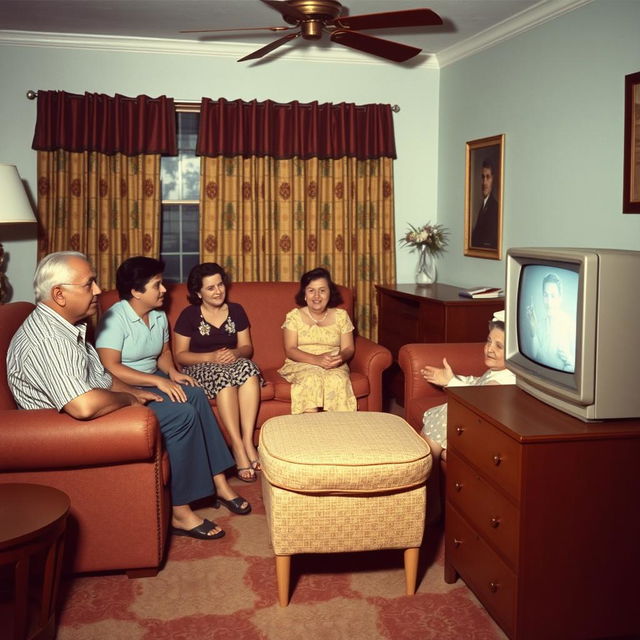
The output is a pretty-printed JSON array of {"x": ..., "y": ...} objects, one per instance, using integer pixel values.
[{"x": 196, "y": 448}]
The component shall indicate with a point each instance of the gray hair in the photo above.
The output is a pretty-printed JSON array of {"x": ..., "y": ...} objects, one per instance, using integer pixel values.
[{"x": 53, "y": 269}]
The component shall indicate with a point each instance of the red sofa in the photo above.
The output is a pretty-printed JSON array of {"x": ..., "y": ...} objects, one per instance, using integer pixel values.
[
  {"x": 113, "y": 469},
  {"x": 266, "y": 305}
]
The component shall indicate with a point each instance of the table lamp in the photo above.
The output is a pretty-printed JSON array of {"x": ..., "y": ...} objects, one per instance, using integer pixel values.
[{"x": 14, "y": 208}]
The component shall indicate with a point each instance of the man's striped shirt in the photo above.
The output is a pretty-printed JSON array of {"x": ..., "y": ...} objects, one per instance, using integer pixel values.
[{"x": 50, "y": 362}]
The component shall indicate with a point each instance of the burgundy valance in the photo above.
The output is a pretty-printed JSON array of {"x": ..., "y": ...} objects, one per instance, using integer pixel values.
[
  {"x": 232, "y": 128},
  {"x": 97, "y": 122}
]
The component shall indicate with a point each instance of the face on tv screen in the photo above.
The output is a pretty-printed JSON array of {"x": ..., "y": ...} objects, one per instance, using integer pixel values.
[{"x": 547, "y": 316}]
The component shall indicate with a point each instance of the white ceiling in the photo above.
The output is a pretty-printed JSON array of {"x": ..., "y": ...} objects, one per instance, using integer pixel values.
[{"x": 465, "y": 21}]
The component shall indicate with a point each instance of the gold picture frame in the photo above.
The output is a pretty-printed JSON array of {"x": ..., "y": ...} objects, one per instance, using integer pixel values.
[
  {"x": 484, "y": 189},
  {"x": 631, "y": 188}
]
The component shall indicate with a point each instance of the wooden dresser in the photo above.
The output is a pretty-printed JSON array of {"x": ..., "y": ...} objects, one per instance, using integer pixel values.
[
  {"x": 542, "y": 516},
  {"x": 432, "y": 313}
]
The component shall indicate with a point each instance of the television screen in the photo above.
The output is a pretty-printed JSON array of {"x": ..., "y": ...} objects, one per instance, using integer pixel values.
[{"x": 547, "y": 315}]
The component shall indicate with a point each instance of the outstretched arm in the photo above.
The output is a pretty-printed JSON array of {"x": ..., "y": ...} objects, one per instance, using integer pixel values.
[{"x": 439, "y": 376}]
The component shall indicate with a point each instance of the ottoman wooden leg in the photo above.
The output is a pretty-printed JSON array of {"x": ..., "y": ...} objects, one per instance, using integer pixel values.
[
  {"x": 283, "y": 571},
  {"x": 411, "y": 569}
]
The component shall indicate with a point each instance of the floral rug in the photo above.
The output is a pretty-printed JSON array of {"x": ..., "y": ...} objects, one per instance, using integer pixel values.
[{"x": 226, "y": 590}]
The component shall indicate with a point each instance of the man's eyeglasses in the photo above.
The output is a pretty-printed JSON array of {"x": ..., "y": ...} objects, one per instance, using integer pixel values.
[{"x": 86, "y": 285}]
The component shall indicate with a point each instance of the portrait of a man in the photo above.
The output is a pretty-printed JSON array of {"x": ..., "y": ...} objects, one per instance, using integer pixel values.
[{"x": 483, "y": 211}]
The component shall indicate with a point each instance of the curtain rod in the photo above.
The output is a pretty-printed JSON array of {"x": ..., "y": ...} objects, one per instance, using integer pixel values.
[{"x": 32, "y": 95}]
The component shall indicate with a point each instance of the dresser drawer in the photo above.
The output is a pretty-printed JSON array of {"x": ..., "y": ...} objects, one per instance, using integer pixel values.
[
  {"x": 495, "y": 454},
  {"x": 481, "y": 568},
  {"x": 487, "y": 509}
]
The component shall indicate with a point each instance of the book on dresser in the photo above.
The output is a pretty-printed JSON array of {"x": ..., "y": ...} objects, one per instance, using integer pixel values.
[{"x": 481, "y": 292}]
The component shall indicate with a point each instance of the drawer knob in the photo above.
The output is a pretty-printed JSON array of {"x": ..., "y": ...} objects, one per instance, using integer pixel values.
[
  {"x": 459, "y": 430},
  {"x": 497, "y": 459},
  {"x": 456, "y": 542},
  {"x": 458, "y": 486},
  {"x": 493, "y": 586},
  {"x": 494, "y": 522}
]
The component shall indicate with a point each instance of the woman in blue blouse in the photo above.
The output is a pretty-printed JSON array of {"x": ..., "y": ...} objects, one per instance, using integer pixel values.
[
  {"x": 212, "y": 342},
  {"x": 133, "y": 344}
]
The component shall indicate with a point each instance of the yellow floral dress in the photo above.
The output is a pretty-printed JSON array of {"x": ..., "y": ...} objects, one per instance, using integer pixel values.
[{"x": 313, "y": 386}]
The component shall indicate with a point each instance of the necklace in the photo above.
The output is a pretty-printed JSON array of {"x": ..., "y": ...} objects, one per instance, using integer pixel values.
[{"x": 324, "y": 317}]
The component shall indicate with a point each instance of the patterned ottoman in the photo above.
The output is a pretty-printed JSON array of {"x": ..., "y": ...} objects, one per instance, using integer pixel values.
[{"x": 335, "y": 482}]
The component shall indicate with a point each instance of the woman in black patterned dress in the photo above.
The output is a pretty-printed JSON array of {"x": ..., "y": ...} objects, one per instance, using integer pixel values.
[{"x": 212, "y": 342}]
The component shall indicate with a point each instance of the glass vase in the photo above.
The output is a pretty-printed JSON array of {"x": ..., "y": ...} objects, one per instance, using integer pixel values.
[{"x": 426, "y": 270}]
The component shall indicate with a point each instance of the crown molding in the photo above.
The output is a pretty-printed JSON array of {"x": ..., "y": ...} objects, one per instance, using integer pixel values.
[
  {"x": 524, "y": 21},
  {"x": 232, "y": 50}
]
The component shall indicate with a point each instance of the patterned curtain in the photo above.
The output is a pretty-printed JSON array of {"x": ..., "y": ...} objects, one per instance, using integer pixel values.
[
  {"x": 271, "y": 218},
  {"x": 107, "y": 207},
  {"x": 99, "y": 175}
]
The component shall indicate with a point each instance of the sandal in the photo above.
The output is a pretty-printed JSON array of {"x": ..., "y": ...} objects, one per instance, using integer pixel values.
[
  {"x": 201, "y": 532},
  {"x": 255, "y": 465},
  {"x": 251, "y": 478},
  {"x": 233, "y": 505}
]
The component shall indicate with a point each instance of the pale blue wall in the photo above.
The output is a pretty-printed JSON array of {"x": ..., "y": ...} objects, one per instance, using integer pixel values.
[
  {"x": 556, "y": 92},
  {"x": 415, "y": 89}
]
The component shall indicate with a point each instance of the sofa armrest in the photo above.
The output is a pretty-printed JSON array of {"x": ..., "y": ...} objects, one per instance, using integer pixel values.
[
  {"x": 371, "y": 359},
  {"x": 465, "y": 358},
  {"x": 45, "y": 439}
]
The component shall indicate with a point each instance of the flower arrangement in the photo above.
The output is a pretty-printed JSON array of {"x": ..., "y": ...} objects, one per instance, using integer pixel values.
[{"x": 433, "y": 237}]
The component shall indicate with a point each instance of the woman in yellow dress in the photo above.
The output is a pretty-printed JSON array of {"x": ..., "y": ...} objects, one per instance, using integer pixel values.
[{"x": 318, "y": 342}]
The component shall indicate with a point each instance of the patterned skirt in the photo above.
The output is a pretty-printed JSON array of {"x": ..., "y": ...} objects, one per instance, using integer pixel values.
[{"x": 213, "y": 377}]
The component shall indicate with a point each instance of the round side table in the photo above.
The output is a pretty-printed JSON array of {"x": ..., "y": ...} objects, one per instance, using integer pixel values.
[{"x": 33, "y": 519}]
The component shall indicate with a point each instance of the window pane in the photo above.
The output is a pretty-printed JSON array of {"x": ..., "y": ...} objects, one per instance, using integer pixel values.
[
  {"x": 171, "y": 268},
  {"x": 188, "y": 262},
  {"x": 169, "y": 178},
  {"x": 188, "y": 123},
  {"x": 190, "y": 174},
  {"x": 190, "y": 228},
  {"x": 170, "y": 238}
]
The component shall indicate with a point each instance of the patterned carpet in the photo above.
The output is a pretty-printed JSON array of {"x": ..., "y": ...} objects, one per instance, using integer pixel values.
[{"x": 226, "y": 590}]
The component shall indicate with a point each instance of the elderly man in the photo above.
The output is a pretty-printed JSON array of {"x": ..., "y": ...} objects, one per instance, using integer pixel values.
[{"x": 51, "y": 365}]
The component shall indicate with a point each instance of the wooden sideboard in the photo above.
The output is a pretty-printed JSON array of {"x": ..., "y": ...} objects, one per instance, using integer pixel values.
[
  {"x": 542, "y": 518},
  {"x": 432, "y": 313}
]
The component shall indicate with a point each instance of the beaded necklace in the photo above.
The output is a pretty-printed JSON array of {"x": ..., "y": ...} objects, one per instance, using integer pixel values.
[{"x": 324, "y": 317}]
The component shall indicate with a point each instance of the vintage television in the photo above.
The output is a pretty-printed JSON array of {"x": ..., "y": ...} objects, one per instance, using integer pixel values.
[{"x": 572, "y": 329}]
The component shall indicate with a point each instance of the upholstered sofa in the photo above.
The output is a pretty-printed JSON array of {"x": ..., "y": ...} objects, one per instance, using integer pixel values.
[
  {"x": 266, "y": 304},
  {"x": 113, "y": 469}
]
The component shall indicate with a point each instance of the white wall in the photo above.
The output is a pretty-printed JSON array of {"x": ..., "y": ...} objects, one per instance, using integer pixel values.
[
  {"x": 415, "y": 89},
  {"x": 557, "y": 94}
]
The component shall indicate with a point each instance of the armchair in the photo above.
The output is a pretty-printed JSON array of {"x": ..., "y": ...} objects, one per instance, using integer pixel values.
[
  {"x": 464, "y": 357},
  {"x": 419, "y": 395},
  {"x": 113, "y": 468}
]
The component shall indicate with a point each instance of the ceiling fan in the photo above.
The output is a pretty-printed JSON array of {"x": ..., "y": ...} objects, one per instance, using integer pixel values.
[{"x": 310, "y": 18}]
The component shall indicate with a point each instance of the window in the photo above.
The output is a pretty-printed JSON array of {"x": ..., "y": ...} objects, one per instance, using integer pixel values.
[{"x": 180, "y": 218}]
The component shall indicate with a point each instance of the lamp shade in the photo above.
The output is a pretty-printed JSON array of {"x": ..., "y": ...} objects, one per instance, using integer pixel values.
[{"x": 14, "y": 204}]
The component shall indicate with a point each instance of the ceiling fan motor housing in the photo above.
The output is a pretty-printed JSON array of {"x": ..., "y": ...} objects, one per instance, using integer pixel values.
[{"x": 316, "y": 10}]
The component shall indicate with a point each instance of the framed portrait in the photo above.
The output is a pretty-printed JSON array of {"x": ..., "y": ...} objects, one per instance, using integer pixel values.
[
  {"x": 631, "y": 194},
  {"x": 484, "y": 182}
]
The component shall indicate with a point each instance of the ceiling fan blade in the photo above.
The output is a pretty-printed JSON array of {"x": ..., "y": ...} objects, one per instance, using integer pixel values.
[
  {"x": 286, "y": 10},
  {"x": 237, "y": 29},
  {"x": 376, "y": 46},
  {"x": 389, "y": 19},
  {"x": 270, "y": 47}
]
